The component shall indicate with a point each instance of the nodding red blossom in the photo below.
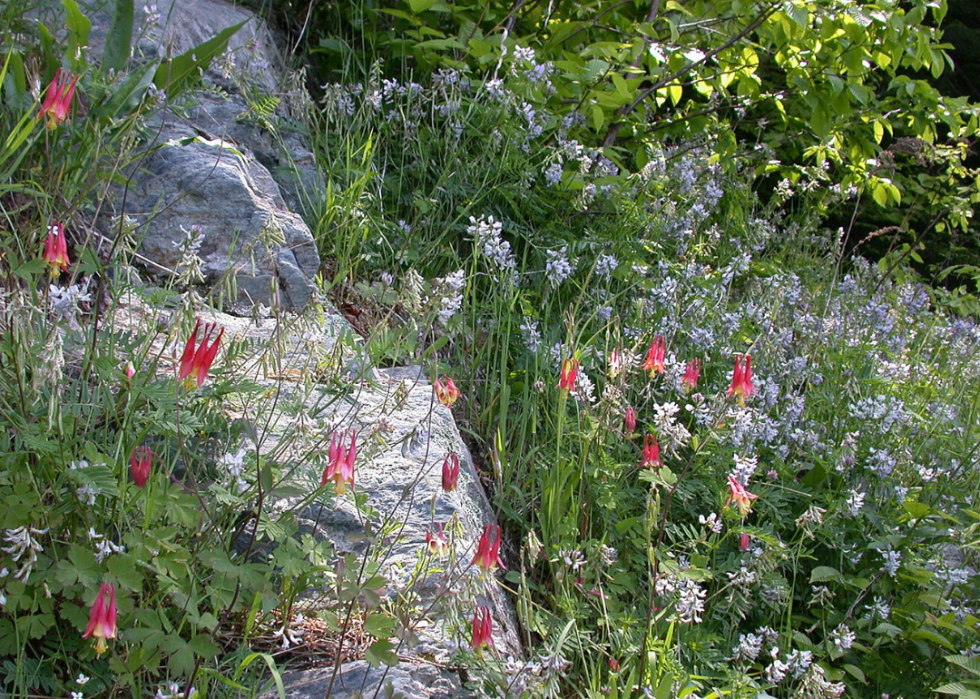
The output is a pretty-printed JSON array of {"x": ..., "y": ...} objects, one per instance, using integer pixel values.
[
  {"x": 450, "y": 472},
  {"x": 56, "y": 249},
  {"x": 197, "y": 361},
  {"x": 615, "y": 364},
  {"x": 102, "y": 620},
  {"x": 446, "y": 391},
  {"x": 139, "y": 465},
  {"x": 743, "y": 541},
  {"x": 655, "y": 356},
  {"x": 569, "y": 372},
  {"x": 630, "y": 420},
  {"x": 742, "y": 387},
  {"x": 739, "y": 496},
  {"x": 651, "y": 451},
  {"x": 691, "y": 375},
  {"x": 130, "y": 371},
  {"x": 340, "y": 467},
  {"x": 57, "y": 99},
  {"x": 438, "y": 546},
  {"x": 482, "y": 628},
  {"x": 488, "y": 550}
]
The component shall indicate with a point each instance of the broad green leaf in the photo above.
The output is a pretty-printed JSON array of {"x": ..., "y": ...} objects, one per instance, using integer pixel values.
[
  {"x": 120, "y": 38},
  {"x": 965, "y": 662},
  {"x": 598, "y": 117},
  {"x": 78, "y": 28},
  {"x": 419, "y": 6},
  {"x": 176, "y": 74}
]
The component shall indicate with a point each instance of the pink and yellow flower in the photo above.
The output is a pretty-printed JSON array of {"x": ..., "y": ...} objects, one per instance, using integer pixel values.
[
  {"x": 102, "y": 620},
  {"x": 655, "y": 356},
  {"x": 741, "y": 386},
  {"x": 691, "y": 375},
  {"x": 340, "y": 467},
  {"x": 139, "y": 465},
  {"x": 651, "y": 451},
  {"x": 482, "y": 628},
  {"x": 56, "y": 249},
  {"x": 739, "y": 496},
  {"x": 450, "y": 472},
  {"x": 488, "y": 549},
  {"x": 446, "y": 391},
  {"x": 438, "y": 546},
  {"x": 57, "y": 98},
  {"x": 197, "y": 361},
  {"x": 569, "y": 373}
]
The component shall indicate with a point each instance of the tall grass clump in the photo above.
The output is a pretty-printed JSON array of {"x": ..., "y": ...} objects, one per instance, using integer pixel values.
[{"x": 731, "y": 460}]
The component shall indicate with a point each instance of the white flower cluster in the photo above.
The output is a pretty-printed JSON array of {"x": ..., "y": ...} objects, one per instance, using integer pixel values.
[
  {"x": 487, "y": 234},
  {"x": 23, "y": 544},
  {"x": 558, "y": 268},
  {"x": 234, "y": 464}
]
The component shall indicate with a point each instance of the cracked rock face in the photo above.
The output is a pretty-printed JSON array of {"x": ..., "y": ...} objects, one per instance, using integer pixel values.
[{"x": 207, "y": 166}]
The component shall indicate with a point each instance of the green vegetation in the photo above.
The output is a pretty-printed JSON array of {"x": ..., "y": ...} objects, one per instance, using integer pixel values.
[{"x": 586, "y": 214}]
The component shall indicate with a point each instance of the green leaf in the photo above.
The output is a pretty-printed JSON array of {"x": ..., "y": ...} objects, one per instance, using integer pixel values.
[
  {"x": 953, "y": 688},
  {"x": 598, "y": 117},
  {"x": 379, "y": 653},
  {"x": 120, "y": 37},
  {"x": 855, "y": 672},
  {"x": 967, "y": 663},
  {"x": 176, "y": 74},
  {"x": 419, "y": 6},
  {"x": 823, "y": 574},
  {"x": 380, "y": 625},
  {"x": 78, "y": 29},
  {"x": 126, "y": 571}
]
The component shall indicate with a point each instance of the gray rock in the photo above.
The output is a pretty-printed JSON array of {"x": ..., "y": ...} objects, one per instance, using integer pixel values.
[
  {"x": 208, "y": 166},
  {"x": 404, "y": 434}
]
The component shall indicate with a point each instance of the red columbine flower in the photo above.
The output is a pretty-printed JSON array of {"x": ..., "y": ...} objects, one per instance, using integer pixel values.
[
  {"x": 488, "y": 550},
  {"x": 651, "y": 451},
  {"x": 740, "y": 496},
  {"x": 741, "y": 386},
  {"x": 436, "y": 542},
  {"x": 691, "y": 374},
  {"x": 630, "y": 421},
  {"x": 139, "y": 465},
  {"x": 569, "y": 372},
  {"x": 57, "y": 98},
  {"x": 615, "y": 364},
  {"x": 450, "y": 472},
  {"x": 446, "y": 393},
  {"x": 482, "y": 628},
  {"x": 56, "y": 249},
  {"x": 655, "y": 356},
  {"x": 340, "y": 467},
  {"x": 743, "y": 541},
  {"x": 198, "y": 361},
  {"x": 102, "y": 621}
]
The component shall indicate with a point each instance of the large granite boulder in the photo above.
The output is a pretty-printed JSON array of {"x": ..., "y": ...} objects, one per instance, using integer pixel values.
[
  {"x": 210, "y": 167},
  {"x": 323, "y": 385}
]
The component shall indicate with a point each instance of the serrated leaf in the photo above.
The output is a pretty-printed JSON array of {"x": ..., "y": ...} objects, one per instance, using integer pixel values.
[
  {"x": 952, "y": 688},
  {"x": 965, "y": 662}
]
